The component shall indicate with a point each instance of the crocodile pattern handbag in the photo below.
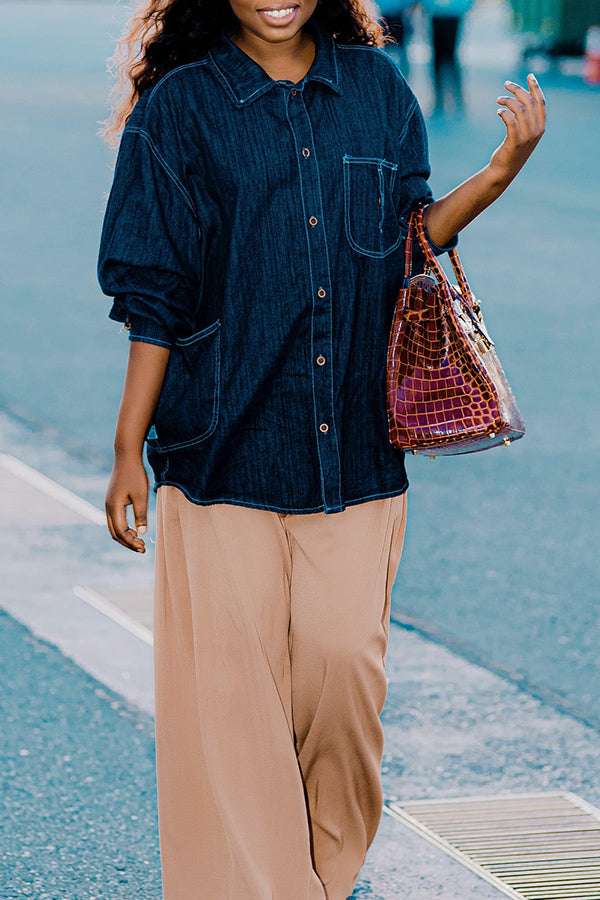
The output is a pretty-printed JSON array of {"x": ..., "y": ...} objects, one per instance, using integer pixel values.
[{"x": 446, "y": 391}]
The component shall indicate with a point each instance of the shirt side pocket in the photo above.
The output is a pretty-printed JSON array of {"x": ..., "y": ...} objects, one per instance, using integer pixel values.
[{"x": 188, "y": 407}]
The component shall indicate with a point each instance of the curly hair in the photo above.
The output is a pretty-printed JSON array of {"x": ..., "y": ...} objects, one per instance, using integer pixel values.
[{"x": 164, "y": 34}]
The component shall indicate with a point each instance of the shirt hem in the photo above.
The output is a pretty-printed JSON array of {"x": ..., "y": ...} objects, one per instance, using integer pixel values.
[{"x": 283, "y": 510}]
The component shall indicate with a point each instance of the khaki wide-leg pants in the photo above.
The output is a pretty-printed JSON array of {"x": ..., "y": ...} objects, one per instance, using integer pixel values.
[{"x": 270, "y": 640}]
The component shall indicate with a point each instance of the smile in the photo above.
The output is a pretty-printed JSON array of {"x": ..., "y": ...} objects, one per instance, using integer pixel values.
[
  {"x": 279, "y": 16},
  {"x": 278, "y": 13}
]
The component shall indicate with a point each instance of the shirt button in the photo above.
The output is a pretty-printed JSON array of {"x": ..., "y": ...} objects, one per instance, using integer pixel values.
[
  {"x": 293, "y": 93},
  {"x": 321, "y": 293},
  {"x": 320, "y": 362},
  {"x": 313, "y": 220},
  {"x": 324, "y": 428},
  {"x": 305, "y": 151}
]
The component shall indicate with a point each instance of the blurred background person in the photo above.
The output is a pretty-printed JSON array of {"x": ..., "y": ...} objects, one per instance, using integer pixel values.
[
  {"x": 446, "y": 20},
  {"x": 397, "y": 16}
]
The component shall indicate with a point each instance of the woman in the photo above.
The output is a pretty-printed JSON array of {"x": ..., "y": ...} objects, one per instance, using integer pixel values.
[{"x": 253, "y": 245}]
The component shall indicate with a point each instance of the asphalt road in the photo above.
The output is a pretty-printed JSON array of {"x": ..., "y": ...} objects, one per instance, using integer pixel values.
[
  {"x": 501, "y": 557},
  {"x": 78, "y": 810}
]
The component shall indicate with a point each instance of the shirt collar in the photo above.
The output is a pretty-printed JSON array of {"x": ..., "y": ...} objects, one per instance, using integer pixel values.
[{"x": 244, "y": 80}]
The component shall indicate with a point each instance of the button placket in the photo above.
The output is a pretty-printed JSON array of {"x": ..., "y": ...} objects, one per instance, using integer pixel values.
[{"x": 311, "y": 202}]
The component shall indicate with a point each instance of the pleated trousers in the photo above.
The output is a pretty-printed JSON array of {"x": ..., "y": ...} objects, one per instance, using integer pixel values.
[{"x": 270, "y": 640}]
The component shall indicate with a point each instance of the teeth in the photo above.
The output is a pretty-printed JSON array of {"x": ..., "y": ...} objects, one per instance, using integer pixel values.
[{"x": 278, "y": 13}]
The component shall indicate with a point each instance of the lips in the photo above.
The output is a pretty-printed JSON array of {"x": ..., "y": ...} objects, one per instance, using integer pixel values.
[{"x": 280, "y": 14}]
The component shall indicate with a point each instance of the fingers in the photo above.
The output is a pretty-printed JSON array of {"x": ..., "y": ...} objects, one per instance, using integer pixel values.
[
  {"x": 140, "y": 507},
  {"x": 540, "y": 101},
  {"x": 120, "y": 531},
  {"x": 524, "y": 112},
  {"x": 516, "y": 113},
  {"x": 128, "y": 486},
  {"x": 511, "y": 121},
  {"x": 524, "y": 115}
]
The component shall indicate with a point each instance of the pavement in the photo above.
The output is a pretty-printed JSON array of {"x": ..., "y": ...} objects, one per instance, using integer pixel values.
[{"x": 492, "y": 664}]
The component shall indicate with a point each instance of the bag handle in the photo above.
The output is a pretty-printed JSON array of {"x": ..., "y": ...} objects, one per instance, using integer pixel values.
[{"x": 416, "y": 228}]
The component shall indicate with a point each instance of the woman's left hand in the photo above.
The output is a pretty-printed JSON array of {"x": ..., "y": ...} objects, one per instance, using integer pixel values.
[{"x": 524, "y": 114}]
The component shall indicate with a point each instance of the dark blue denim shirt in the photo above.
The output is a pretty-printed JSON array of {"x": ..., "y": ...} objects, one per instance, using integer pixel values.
[{"x": 256, "y": 227}]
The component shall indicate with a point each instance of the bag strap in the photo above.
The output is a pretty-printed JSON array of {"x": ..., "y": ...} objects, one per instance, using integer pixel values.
[
  {"x": 408, "y": 250},
  {"x": 417, "y": 228}
]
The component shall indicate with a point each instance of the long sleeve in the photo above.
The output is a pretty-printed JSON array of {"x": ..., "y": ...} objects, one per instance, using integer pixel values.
[
  {"x": 149, "y": 259},
  {"x": 414, "y": 153}
]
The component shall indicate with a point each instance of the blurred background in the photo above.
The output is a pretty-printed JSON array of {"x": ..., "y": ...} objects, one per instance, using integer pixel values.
[{"x": 501, "y": 555}]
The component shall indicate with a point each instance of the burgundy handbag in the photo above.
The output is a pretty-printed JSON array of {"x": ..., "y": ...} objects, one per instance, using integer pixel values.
[{"x": 446, "y": 391}]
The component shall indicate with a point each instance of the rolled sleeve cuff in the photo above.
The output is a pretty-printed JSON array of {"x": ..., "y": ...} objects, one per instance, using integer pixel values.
[
  {"x": 140, "y": 328},
  {"x": 452, "y": 243}
]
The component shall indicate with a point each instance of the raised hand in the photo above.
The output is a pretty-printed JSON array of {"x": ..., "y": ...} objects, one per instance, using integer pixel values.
[{"x": 524, "y": 115}]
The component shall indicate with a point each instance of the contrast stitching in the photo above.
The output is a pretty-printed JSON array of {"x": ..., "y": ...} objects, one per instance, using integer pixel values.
[
  {"x": 396, "y": 493},
  {"x": 260, "y": 90},
  {"x": 240, "y": 101},
  {"x": 370, "y": 159},
  {"x": 334, "y": 429},
  {"x": 278, "y": 509},
  {"x": 238, "y": 502},
  {"x": 184, "y": 342},
  {"x": 149, "y": 340},
  {"x": 411, "y": 111},
  {"x": 382, "y": 54},
  {"x": 222, "y": 77},
  {"x": 373, "y": 254},
  {"x": 165, "y": 166},
  {"x": 190, "y": 65},
  {"x": 398, "y": 74},
  {"x": 154, "y": 443},
  {"x": 312, "y": 292},
  {"x": 166, "y": 468}
]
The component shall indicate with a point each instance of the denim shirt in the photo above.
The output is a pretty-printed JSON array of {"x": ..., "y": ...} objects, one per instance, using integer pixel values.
[{"x": 256, "y": 227}]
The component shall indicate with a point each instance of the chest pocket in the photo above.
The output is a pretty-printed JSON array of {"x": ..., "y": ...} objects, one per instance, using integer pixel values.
[{"x": 370, "y": 219}]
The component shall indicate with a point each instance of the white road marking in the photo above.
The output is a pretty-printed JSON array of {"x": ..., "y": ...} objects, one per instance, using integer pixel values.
[
  {"x": 52, "y": 489},
  {"x": 97, "y": 601}
]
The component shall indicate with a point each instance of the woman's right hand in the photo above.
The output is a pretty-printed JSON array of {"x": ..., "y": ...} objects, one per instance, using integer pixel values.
[{"x": 128, "y": 486}]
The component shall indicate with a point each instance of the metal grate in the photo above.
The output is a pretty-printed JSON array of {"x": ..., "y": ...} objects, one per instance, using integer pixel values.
[{"x": 531, "y": 847}]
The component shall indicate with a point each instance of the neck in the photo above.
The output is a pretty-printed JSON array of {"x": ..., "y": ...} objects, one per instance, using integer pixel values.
[{"x": 282, "y": 60}]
